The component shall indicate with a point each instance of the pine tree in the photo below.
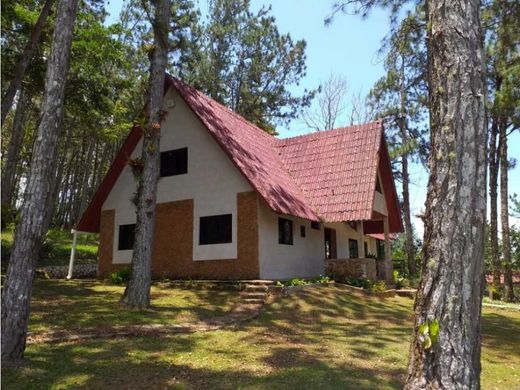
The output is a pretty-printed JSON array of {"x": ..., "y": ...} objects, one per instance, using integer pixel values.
[
  {"x": 30, "y": 229},
  {"x": 137, "y": 292}
]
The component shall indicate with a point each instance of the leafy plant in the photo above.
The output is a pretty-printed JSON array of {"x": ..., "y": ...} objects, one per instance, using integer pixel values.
[
  {"x": 121, "y": 276},
  {"x": 359, "y": 282},
  {"x": 379, "y": 286},
  {"x": 428, "y": 333}
]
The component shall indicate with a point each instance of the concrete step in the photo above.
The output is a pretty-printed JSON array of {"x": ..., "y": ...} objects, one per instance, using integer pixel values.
[
  {"x": 254, "y": 287},
  {"x": 251, "y": 294},
  {"x": 253, "y": 300}
]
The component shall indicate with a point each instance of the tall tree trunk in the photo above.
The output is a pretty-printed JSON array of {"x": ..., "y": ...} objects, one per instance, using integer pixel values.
[
  {"x": 137, "y": 293},
  {"x": 410, "y": 252},
  {"x": 30, "y": 229},
  {"x": 14, "y": 148},
  {"x": 493, "y": 198},
  {"x": 450, "y": 292},
  {"x": 504, "y": 215},
  {"x": 25, "y": 58}
]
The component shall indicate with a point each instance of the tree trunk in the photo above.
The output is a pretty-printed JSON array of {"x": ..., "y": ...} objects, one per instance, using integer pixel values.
[
  {"x": 410, "y": 252},
  {"x": 29, "y": 232},
  {"x": 25, "y": 58},
  {"x": 13, "y": 150},
  {"x": 504, "y": 215},
  {"x": 137, "y": 293},
  {"x": 493, "y": 197},
  {"x": 450, "y": 292}
]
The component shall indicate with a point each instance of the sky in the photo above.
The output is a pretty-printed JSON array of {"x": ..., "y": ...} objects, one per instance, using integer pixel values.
[{"x": 348, "y": 48}]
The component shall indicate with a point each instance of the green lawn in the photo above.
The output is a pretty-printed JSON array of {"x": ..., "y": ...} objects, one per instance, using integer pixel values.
[{"x": 321, "y": 338}]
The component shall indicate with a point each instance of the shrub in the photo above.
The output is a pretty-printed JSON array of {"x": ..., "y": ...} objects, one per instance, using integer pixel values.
[
  {"x": 358, "y": 282},
  {"x": 121, "y": 276},
  {"x": 401, "y": 281},
  {"x": 378, "y": 286}
]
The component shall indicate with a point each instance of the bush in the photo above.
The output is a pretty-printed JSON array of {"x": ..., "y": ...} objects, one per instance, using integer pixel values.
[
  {"x": 401, "y": 281},
  {"x": 358, "y": 282},
  {"x": 378, "y": 286},
  {"x": 121, "y": 276}
]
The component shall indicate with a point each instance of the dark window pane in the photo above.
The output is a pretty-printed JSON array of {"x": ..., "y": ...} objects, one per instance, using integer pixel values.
[
  {"x": 285, "y": 231},
  {"x": 215, "y": 229},
  {"x": 353, "y": 248},
  {"x": 302, "y": 231},
  {"x": 126, "y": 237},
  {"x": 174, "y": 162},
  {"x": 366, "y": 249},
  {"x": 315, "y": 225}
]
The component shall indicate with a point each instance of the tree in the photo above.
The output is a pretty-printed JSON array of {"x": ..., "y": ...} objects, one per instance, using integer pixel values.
[
  {"x": 500, "y": 20},
  {"x": 24, "y": 60},
  {"x": 400, "y": 98},
  {"x": 30, "y": 229},
  {"x": 445, "y": 350},
  {"x": 137, "y": 292},
  {"x": 245, "y": 63},
  {"x": 331, "y": 104}
]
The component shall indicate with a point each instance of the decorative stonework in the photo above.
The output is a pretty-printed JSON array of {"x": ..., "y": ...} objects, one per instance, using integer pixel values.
[{"x": 341, "y": 269}]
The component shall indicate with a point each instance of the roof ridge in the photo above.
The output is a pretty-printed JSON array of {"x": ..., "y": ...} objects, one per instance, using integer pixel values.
[{"x": 322, "y": 133}]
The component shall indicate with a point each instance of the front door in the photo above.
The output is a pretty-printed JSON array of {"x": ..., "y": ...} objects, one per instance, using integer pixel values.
[{"x": 330, "y": 243}]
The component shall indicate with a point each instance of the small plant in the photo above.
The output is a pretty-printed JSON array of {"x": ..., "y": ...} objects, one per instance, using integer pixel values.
[
  {"x": 359, "y": 282},
  {"x": 121, "y": 276},
  {"x": 428, "y": 333},
  {"x": 401, "y": 281},
  {"x": 378, "y": 286}
]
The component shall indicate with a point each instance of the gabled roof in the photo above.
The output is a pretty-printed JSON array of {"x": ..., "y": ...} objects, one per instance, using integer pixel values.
[{"x": 326, "y": 176}]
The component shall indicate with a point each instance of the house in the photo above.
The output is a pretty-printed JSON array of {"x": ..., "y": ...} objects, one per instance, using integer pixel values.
[{"x": 234, "y": 202}]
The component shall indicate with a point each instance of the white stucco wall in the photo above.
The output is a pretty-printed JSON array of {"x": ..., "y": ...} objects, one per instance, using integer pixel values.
[
  {"x": 379, "y": 200},
  {"x": 212, "y": 181},
  {"x": 305, "y": 258}
]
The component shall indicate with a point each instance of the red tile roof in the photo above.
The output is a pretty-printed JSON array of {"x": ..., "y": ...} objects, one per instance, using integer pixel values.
[{"x": 326, "y": 176}]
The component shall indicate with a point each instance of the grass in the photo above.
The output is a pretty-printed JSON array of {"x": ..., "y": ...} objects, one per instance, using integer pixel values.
[
  {"x": 317, "y": 338},
  {"x": 58, "y": 305},
  {"x": 56, "y": 247}
]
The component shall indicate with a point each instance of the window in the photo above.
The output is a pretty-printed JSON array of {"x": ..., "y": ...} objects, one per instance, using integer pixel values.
[
  {"x": 378, "y": 185},
  {"x": 215, "y": 229},
  {"x": 380, "y": 250},
  {"x": 126, "y": 237},
  {"x": 302, "y": 231},
  {"x": 315, "y": 225},
  {"x": 285, "y": 232},
  {"x": 366, "y": 249},
  {"x": 353, "y": 248},
  {"x": 174, "y": 162}
]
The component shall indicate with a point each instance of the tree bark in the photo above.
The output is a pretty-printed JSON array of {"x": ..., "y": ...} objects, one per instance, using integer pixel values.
[
  {"x": 410, "y": 252},
  {"x": 25, "y": 58},
  {"x": 30, "y": 229},
  {"x": 493, "y": 201},
  {"x": 13, "y": 150},
  {"x": 137, "y": 293},
  {"x": 450, "y": 291},
  {"x": 504, "y": 215}
]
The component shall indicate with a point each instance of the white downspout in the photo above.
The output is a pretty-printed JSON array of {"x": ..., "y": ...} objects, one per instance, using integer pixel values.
[{"x": 72, "y": 252}]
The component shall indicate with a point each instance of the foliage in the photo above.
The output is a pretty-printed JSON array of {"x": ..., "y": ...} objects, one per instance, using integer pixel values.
[
  {"x": 401, "y": 281},
  {"x": 245, "y": 63},
  {"x": 429, "y": 332},
  {"x": 121, "y": 276},
  {"x": 303, "y": 282},
  {"x": 379, "y": 286},
  {"x": 358, "y": 282},
  {"x": 56, "y": 247}
]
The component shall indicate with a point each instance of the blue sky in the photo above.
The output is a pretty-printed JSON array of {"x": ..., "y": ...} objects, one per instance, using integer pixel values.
[{"x": 348, "y": 47}]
